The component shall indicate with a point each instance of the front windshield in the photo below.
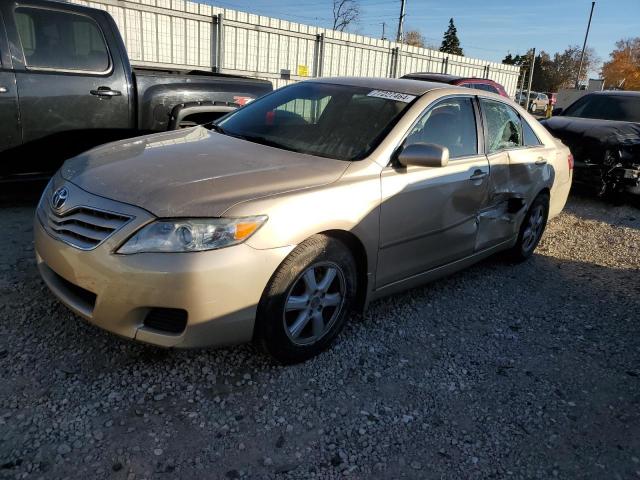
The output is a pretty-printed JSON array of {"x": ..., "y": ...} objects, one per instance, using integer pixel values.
[
  {"x": 327, "y": 120},
  {"x": 606, "y": 107}
]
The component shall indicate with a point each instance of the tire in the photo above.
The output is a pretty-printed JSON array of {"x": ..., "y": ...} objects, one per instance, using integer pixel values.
[
  {"x": 533, "y": 108},
  {"x": 536, "y": 220},
  {"x": 318, "y": 301}
]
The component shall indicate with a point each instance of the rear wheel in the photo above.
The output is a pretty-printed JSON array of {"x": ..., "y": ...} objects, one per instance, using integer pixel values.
[
  {"x": 307, "y": 301},
  {"x": 534, "y": 108},
  {"x": 531, "y": 229}
]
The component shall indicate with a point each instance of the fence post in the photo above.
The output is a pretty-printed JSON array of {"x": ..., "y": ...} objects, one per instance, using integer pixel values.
[
  {"x": 318, "y": 58},
  {"x": 486, "y": 71},
  {"x": 393, "y": 67},
  {"x": 445, "y": 65},
  {"x": 217, "y": 38}
]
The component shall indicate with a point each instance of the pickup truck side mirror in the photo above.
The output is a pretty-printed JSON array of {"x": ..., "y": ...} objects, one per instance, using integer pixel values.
[
  {"x": 424, "y": 155},
  {"x": 557, "y": 111}
]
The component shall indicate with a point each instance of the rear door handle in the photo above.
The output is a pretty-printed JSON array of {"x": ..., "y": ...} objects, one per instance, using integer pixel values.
[
  {"x": 541, "y": 161},
  {"x": 3, "y": 90},
  {"x": 478, "y": 175},
  {"x": 105, "y": 92}
]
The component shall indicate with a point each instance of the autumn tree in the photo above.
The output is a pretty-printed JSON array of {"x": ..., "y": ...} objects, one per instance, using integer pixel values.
[
  {"x": 345, "y": 12},
  {"x": 623, "y": 68},
  {"x": 414, "y": 38},
  {"x": 451, "y": 42}
]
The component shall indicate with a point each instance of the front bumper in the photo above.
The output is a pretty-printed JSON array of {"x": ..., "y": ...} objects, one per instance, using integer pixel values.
[{"x": 219, "y": 289}]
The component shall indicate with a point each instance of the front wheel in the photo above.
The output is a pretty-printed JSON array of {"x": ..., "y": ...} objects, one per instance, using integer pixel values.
[
  {"x": 307, "y": 301},
  {"x": 534, "y": 108},
  {"x": 531, "y": 229}
]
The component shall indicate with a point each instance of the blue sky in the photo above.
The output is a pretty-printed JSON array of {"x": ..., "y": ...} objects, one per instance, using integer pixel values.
[{"x": 487, "y": 28}]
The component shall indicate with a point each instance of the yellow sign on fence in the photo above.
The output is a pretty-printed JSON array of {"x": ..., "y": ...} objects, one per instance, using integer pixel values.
[{"x": 303, "y": 71}]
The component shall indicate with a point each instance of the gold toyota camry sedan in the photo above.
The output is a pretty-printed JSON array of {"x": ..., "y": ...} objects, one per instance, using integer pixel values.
[{"x": 275, "y": 222}]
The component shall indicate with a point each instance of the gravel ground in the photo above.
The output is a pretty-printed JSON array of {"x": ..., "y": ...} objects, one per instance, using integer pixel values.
[{"x": 527, "y": 371}]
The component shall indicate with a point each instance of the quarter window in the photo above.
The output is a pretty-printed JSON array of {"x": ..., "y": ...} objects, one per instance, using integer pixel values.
[
  {"x": 61, "y": 41},
  {"x": 450, "y": 123},
  {"x": 530, "y": 137},
  {"x": 504, "y": 129}
]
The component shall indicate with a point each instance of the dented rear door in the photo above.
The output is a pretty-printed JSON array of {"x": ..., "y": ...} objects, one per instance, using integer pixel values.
[{"x": 519, "y": 166}]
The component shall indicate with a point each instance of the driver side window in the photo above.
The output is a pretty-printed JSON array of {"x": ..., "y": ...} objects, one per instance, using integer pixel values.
[
  {"x": 504, "y": 128},
  {"x": 450, "y": 123}
]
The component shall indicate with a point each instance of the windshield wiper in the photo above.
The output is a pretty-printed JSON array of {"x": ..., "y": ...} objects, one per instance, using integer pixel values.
[
  {"x": 217, "y": 128},
  {"x": 264, "y": 141}
]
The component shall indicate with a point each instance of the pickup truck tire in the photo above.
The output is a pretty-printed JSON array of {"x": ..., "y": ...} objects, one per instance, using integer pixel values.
[{"x": 307, "y": 301}]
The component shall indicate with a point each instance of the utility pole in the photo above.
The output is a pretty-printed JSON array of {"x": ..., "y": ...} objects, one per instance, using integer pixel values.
[
  {"x": 584, "y": 45},
  {"x": 384, "y": 24},
  {"x": 522, "y": 77},
  {"x": 400, "y": 21},
  {"x": 531, "y": 67}
]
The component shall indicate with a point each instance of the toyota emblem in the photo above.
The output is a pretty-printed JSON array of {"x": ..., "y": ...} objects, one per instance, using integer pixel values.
[{"x": 60, "y": 197}]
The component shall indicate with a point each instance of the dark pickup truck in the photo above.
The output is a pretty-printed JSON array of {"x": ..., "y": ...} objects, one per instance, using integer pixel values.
[{"x": 66, "y": 85}]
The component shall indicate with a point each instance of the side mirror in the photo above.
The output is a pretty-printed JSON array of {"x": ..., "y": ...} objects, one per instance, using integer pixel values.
[
  {"x": 557, "y": 111},
  {"x": 424, "y": 155}
]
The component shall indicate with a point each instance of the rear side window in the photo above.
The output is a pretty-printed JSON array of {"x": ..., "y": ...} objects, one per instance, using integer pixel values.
[
  {"x": 450, "y": 123},
  {"x": 61, "y": 41},
  {"x": 491, "y": 88},
  {"x": 504, "y": 128}
]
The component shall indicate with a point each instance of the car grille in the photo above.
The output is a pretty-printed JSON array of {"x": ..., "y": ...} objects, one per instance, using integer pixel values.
[{"x": 81, "y": 227}]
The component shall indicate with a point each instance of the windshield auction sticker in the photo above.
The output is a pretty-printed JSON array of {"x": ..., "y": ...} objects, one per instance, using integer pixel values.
[{"x": 400, "y": 97}]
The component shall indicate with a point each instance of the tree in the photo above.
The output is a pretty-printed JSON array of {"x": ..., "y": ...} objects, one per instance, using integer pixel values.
[
  {"x": 561, "y": 71},
  {"x": 345, "y": 12},
  {"x": 451, "y": 42},
  {"x": 414, "y": 38},
  {"x": 551, "y": 73},
  {"x": 623, "y": 68},
  {"x": 518, "y": 60}
]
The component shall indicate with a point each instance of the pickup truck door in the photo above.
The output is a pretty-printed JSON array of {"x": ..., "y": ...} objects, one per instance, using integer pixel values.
[
  {"x": 428, "y": 216},
  {"x": 72, "y": 83},
  {"x": 10, "y": 135}
]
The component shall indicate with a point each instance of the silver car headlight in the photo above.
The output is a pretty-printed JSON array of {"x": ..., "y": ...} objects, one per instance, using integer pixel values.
[{"x": 192, "y": 235}]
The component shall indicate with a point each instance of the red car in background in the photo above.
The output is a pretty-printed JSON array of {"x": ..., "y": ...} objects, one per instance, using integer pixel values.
[{"x": 477, "y": 83}]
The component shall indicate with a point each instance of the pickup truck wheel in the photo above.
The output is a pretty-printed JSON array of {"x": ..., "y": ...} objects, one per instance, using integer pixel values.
[
  {"x": 531, "y": 229},
  {"x": 307, "y": 301}
]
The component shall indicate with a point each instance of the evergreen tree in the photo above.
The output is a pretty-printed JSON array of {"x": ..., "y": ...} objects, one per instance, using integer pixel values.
[{"x": 451, "y": 42}]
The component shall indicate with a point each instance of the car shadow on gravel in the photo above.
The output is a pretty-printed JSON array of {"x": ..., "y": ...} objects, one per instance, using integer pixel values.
[
  {"x": 21, "y": 193},
  {"x": 623, "y": 211}
]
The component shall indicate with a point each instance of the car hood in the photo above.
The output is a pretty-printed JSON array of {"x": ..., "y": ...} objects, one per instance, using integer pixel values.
[
  {"x": 195, "y": 172},
  {"x": 584, "y": 133}
]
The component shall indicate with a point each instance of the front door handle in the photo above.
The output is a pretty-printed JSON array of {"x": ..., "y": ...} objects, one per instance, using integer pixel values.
[
  {"x": 478, "y": 175},
  {"x": 3, "y": 90},
  {"x": 105, "y": 92},
  {"x": 541, "y": 161}
]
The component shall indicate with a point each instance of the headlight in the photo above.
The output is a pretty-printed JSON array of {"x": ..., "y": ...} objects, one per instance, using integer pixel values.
[{"x": 192, "y": 235}]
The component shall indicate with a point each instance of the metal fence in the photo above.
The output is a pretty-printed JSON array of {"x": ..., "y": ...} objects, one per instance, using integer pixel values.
[{"x": 180, "y": 34}]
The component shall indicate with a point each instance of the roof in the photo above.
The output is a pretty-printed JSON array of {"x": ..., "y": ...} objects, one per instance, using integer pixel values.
[
  {"x": 435, "y": 77},
  {"x": 402, "y": 85},
  {"x": 620, "y": 93}
]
